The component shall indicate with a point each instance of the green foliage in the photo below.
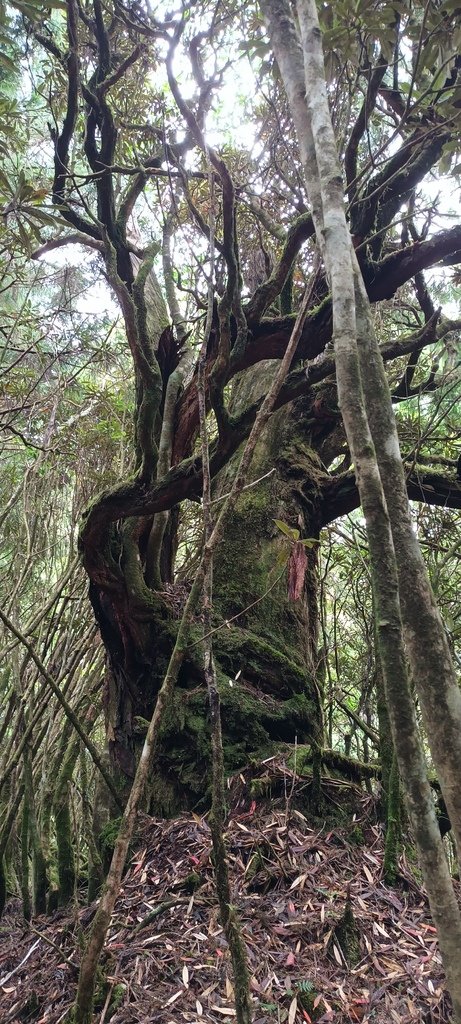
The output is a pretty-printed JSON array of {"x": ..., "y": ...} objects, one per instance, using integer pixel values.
[
  {"x": 71, "y": 384},
  {"x": 294, "y": 534}
]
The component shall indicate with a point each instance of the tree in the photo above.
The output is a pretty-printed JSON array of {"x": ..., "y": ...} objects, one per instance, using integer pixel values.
[
  {"x": 366, "y": 407},
  {"x": 118, "y": 181},
  {"x": 233, "y": 239}
]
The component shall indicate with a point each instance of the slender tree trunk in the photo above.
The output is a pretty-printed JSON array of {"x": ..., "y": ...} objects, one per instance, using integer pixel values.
[
  {"x": 7, "y": 825},
  {"x": 430, "y": 658},
  {"x": 393, "y": 825},
  {"x": 25, "y": 868},
  {"x": 229, "y": 918},
  {"x": 304, "y": 78},
  {"x": 63, "y": 825},
  {"x": 31, "y": 839},
  {"x": 386, "y": 746}
]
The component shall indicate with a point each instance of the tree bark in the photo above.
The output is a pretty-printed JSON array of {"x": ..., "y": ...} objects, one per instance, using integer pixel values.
[
  {"x": 304, "y": 78},
  {"x": 265, "y": 643},
  {"x": 432, "y": 667}
]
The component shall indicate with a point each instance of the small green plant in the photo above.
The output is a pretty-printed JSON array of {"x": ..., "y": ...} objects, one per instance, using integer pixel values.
[
  {"x": 304, "y": 986},
  {"x": 356, "y": 835},
  {"x": 307, "y": 995}
]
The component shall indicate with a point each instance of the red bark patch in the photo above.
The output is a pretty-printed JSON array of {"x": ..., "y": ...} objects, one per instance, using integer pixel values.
[{"x": 296, "y": 571}]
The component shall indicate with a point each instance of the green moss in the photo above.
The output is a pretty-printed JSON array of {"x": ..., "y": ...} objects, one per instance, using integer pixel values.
[
  {"x": 244, "y": 561},
  {"x": 192, "y": 882},
  {"x": 255, "y": 724},
  {"x": 268, "y": 696},
  {"x": 348, "y": 936},
  {"x": 356, "y": 836},
  {"x": 106, "y": 841},
  {"x": 412, "y": 859},
  {"x": 140, "y": 725},
  {"x": 66, "y": 863},
  {"x": 298, "y": 458},
  {"x": 286, "y": 295},
  {"x": 108, "y": 835},
  {"x": 2, "y": 886},
  {"x": 349, "y": 767},
  {"x": 393, "y": 826},
  {"x": 248, "y": 565},
  {"x": 102, "y": 989},
  {"x": 261, "y": 788},
  {"x": 267, "y": 662},
  {"x": 300, "y": 760},
  {"x": 140, "y": 595},
  {"x": 116, "y": 999},
  {"x": 307, "y": 994},
  {"x": 168, "y": 797}
]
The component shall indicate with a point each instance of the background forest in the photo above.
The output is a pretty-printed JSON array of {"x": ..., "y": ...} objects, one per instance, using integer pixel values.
[{"x": 202, "y": 509}]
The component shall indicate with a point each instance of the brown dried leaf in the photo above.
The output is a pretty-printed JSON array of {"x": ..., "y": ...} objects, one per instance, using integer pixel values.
[{"x": 292, "y": 1010}]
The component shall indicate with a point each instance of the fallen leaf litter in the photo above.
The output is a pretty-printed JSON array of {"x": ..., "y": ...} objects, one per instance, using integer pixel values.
[{"x": 166, "y": 958}]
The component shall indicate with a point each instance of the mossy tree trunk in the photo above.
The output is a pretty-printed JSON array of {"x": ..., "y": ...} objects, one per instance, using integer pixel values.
[
  {"x": 266, "y": 642},
  {"x": 25, "y": 868},
  {"x": 268, "y": 659},
  {"x": 31, "y": 839},
  {"x": 9, "y": 814},
  {"x": 303, "y": 74},
  {"x": 63, "y": 825},
  {"x": 393, "y": 824}
]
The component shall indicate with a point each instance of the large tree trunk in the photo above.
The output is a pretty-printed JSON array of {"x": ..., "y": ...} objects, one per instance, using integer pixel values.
[
  {"x": 265, "y": 642},
  {"x": 272, "y": 646}
]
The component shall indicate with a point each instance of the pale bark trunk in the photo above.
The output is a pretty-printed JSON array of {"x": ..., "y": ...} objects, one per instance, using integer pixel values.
[
  {"x": 429, "y": 654},
  {"x": 323, "y": 177},
  {"x": 228, "y": 914}
]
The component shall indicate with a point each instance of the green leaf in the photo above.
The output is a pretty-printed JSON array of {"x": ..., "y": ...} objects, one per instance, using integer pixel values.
[
  {"x": 281, "y": 560},
  {"x": 289, "y": 531},
  {"x": 25, "y": 240},
  {"x": 5, "y": 183},
  {"x": 37, "y": 214},
  {"x": 445, "y": 163},
  {"x": 34, "y": 228},
  {"x": 8, "y": 63},
  {"x": 36, "y": 9}
]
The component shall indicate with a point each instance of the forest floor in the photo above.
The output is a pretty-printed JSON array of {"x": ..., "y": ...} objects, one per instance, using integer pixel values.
[{"x": 167, "y": 960}]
